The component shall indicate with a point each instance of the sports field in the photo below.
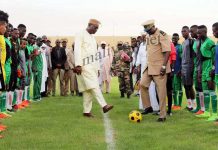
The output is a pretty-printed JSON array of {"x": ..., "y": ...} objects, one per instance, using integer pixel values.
[{"x": 56, "y": 123}]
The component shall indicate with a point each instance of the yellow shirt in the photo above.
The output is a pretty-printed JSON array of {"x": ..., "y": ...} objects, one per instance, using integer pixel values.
[{"x": 3, "y": 54}]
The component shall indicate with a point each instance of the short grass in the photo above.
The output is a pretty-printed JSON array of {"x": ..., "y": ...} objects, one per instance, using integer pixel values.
[{"x": 57, "y": 123}]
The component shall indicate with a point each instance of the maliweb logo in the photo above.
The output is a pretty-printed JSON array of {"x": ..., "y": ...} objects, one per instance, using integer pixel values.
[
  {"x": 98, "y": 56},
  {"x": 154, "y": 40}
]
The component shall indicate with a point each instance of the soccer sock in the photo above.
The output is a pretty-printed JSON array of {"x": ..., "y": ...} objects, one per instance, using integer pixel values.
[
  {"x": 193, "y": 103},
  {"x": 175, "y": 98},
  {"x": 10, "y": 100},
  {"x": 3, "y": 101},
  {"x": 14, "y": 96},
  {"x": 0, "y": 103},
  {"x": 201, "y": 98},
  {"x": 207, "y": 100},
  {"x": 197, "y": 103},
  {"x": 214, "y": 102},
  {"x": 7, "y": 99},
  {"x": 28, "y": 92},
  {"x": 180, "y": 97},
  {"x": 20, "y": 96},
  {"x": 17, "y": 96},
  {"x": 25, "y": 93},
  {"x": 189, "y": 103}
]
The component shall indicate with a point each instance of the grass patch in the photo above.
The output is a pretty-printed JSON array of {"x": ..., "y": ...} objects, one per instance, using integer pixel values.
[{"x": 57, "y": 123}]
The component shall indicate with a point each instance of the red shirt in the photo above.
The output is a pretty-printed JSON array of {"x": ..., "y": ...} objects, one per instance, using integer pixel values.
[{"x": 172, "y": 53}]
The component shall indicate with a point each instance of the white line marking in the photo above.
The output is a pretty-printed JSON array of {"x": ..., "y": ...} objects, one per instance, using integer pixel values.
[{"x": 109, "y": 133}]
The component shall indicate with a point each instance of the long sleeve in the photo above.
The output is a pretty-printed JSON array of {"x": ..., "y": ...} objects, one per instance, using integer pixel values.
[
  {"x": 70, "y": 57},
  {"x": 138, "y": 59},
  {"x": 53, "y": 58},
  {"x": 22, "y": 62},
  {"x": 48, "y": 57},
  {"x": 78, "y": 50}
]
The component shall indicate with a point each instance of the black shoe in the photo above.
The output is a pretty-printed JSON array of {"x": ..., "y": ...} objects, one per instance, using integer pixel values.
[
  {"x": 161, "y": 119},
  {"x": 147, "y": 110},
  {"x": 122, "y": 95},
  {"x": 189, "y": 109},
  {"x": 128, "y": 96}
]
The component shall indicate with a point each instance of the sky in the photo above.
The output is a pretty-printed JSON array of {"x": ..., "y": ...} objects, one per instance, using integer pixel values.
[{"x": 118, "y": 17}]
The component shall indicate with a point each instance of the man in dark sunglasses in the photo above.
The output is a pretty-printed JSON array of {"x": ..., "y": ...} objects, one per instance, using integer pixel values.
[
  {"x": 158, "y": 52},
  {"x": 58, "y": 59}
]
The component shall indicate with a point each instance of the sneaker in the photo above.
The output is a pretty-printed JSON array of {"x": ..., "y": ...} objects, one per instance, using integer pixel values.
[
  {"x": 3, "y": 116},
  {"x": 147, "y": 110},
  {"x": 20, "y": 106},
  {"x": 189, "y": 109},
  {"x": 176, "y": 108},
  {"x": 8, "y": 115},
  {"x": 2, "y": 129},
  {"x": 213, "y": 117},
  {"x": 199, "y": 112},
  {"x": 204, "y": 115},
  {"x": 3, "y": 126}
]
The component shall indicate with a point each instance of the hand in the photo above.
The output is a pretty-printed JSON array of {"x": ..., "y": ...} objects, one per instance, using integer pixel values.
[
  {"x": 211, "y": 85},
  {"x": 135, "y": 71},
  {"x": 162, "y": 71},
  {"x": 78, "y": 70}
]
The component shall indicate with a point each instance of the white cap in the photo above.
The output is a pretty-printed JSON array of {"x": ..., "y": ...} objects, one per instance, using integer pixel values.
[{"x": 103, "y": 42}]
